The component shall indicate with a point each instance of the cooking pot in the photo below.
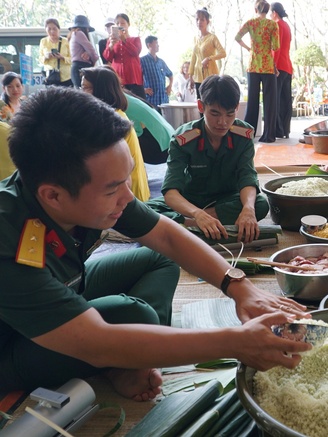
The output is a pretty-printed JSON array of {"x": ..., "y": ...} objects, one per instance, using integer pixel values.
[
  {"x": 286, "y": 210},
  {"x": 320, "y": 141},
  {"x": 178, "y": 113}
]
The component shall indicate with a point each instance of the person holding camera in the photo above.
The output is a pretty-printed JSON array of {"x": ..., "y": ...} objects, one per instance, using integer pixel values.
[
  {"x": 55, "y": 55},
  {"x": 122, "y": 51}
]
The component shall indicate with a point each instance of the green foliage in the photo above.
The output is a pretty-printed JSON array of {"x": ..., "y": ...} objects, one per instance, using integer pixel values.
[
  {"x": 147, "y": 15},
  {"x": 33, "y": 13},
  {"x": 310, "y": 56},
  {"x": 185, "y": 57}
]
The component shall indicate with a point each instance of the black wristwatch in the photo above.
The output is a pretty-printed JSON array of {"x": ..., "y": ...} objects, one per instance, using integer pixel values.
[{"x": 231, "y": 275}]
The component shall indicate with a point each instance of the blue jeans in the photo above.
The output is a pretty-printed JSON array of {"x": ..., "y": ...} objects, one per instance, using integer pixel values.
[{"x": 75, "y": 72}]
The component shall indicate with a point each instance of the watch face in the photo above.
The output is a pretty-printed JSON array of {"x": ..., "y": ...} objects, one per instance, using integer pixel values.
[{"x": 236, "y": 273}]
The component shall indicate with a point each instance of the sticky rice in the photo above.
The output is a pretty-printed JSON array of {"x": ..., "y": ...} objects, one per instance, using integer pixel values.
[
  {"x": 309, "y": 187},
  {"x": 297, "y": 398}
]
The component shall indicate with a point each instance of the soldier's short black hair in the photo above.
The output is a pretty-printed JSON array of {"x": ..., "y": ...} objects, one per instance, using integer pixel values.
[
  {"x": 56, "y": 130},
  {"x": 150, "y": 39},
  {"x": 220, "y": 90}
]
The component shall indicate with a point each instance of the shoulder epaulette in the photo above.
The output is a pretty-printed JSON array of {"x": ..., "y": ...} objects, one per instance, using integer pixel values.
[
  {"x": 242, "y": 131},
  {"x": 188, "y": 136},
  {"x": 31, "y": 248}
]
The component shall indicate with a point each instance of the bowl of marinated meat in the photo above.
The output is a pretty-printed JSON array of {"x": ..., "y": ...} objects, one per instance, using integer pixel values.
[
  {"x": 293, "y": 197},
  {"x": 307, "y": 276}
]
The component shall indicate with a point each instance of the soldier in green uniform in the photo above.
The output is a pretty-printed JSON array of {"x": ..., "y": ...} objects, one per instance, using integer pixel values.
[
  {"x": 211, "y": 180},
  {"x": 65, "y": 315}
]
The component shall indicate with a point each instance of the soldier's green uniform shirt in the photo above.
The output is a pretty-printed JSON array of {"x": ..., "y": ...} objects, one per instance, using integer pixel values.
[
  {"x": 205, "y": 177},
  {"x": 33, "y": 300}
]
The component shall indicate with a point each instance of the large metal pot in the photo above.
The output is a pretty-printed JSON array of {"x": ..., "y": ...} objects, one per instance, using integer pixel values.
[
  {"x": 287, "y": 211},
  {"x": 320, "y": 141},
  {"x": 244, "y": 382},
  {"x": 178, "y": 113},
  {"x": 302, "y": 286}
]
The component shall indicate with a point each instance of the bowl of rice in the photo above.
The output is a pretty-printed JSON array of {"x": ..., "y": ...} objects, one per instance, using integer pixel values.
[
  {"x": 289, "y": 403},
  {"x": 293, "y": 197},
  {"x": 303, "y": 285}
]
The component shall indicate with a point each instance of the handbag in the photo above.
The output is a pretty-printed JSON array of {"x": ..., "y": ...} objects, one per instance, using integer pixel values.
[{"x": 53, "y": 76}]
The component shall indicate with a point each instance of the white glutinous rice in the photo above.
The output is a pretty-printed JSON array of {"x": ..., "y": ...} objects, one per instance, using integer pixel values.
[
  {"x": 309, "y": 187},
  {"x": 297, "y": 398}
]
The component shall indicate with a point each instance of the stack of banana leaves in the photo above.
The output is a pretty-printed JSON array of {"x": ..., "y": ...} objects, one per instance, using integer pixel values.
[
  {"x": 268, "y": 236},
  {"x": 211, "y": 409}
]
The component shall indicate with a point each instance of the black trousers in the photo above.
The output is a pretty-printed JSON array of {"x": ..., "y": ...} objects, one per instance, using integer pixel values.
[
  {"x": 136, "y": 89},
  {"x": 269, "y": 90},
  {"x": 284, "y": 104}
]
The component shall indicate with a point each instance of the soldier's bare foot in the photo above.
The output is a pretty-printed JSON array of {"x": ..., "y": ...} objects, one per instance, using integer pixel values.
[{"x": 137, "y": 384}]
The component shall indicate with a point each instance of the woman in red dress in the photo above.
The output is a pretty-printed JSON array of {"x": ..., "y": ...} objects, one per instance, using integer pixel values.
[{"x": 122, "y": 51}]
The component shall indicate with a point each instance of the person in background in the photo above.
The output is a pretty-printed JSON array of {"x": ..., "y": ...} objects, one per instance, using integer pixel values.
[
  {"x": 264, "y": 34},
  {"x": 76, "y": 316},
  {"x": 155, "y": 71},
  {"x": 207, "y": 51},
  {"x": 82, "y": 51},
  {"x": 122, "y": 51},
  {"x": 11, "y": 97},
  {"x": 49, "y": 58},
  {"x": 285, "y": 71},
  {"x": 182, "y": 87},
  {"x": 109, "y": 22},
  {"x": 154, "y": 132},
  {"x": 7, "y": 167},
  {"x": 210, "y": 179},
  {"x": 104, "y": 83}
]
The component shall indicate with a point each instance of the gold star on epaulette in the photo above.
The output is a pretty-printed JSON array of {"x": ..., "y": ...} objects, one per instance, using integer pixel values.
[{"x": 31, "y": 248}]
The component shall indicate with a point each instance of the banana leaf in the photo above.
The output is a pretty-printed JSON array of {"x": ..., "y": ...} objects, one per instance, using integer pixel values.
[
  {"x": 225, "y": 376},
  {"x": 176, "y": 412}
]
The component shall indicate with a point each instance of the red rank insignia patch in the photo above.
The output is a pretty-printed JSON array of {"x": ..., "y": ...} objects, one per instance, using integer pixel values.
[{"x": 55, "y": 243}]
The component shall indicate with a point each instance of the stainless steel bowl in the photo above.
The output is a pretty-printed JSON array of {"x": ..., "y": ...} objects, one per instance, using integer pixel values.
[
  {"x": 287, "y": 211},
  {"x": 312, "y": 238},
  {"x": 322, "y": 125},
  {"x": 320, "y": 141},
  {"x": 302, "y": 286},
  {"x": 244, "y": 383},
  {"x": 324, "y": 303}
]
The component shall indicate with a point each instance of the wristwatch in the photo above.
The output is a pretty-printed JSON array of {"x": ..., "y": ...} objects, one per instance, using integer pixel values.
[{"x": 231, "y": 275}]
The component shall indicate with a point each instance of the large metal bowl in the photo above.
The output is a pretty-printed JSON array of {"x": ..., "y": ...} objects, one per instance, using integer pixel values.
[
  {"x": 324, "y": 303},
  {"x": 302, "y": 286},
  {"x": 287, "y": 211},
  {"x": 322, "y": 125},
  {"x": 244, "y": 383},
  {"x": 320, "y": 141}
]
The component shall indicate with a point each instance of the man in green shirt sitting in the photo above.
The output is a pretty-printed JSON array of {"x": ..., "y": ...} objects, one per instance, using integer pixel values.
[{"x": 211, "y": 180}]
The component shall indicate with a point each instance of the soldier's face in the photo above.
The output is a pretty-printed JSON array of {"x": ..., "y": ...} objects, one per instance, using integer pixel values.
[
  {"x": 100, "y": 202},
  {"x": 217, "y": 119}
]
